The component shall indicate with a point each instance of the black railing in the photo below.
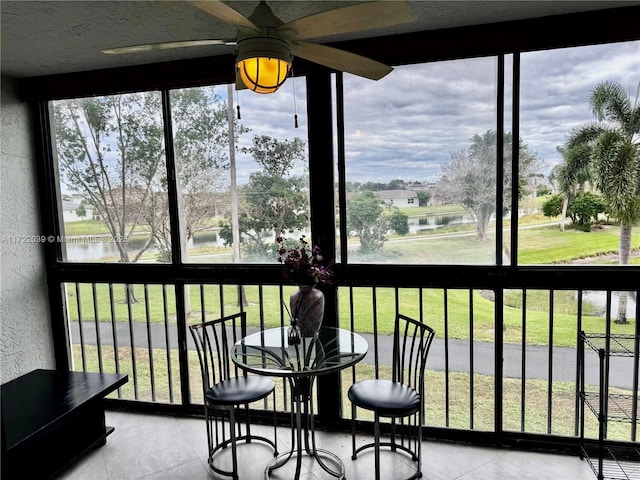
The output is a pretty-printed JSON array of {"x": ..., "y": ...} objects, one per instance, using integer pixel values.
[{"x": 135, "y": 329}]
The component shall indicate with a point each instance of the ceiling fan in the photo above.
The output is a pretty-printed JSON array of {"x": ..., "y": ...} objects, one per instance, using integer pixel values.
[{"x": 266, "y": 45}]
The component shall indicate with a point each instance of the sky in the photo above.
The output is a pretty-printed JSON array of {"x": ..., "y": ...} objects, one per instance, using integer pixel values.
[{"x": 406, "y": 124}]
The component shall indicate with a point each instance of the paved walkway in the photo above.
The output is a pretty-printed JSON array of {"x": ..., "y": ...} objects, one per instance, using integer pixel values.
[{"x": 537, "y": 357}]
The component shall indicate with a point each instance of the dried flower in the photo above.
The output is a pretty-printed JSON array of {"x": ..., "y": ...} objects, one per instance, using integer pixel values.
[{"x": 303, "y": 263}]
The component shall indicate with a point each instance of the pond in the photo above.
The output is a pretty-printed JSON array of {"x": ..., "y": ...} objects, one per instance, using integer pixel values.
[
  {"x": 599, "y": 300},
  {"x": 95, "y": 248},
  {"x": 432, "y": 222}
]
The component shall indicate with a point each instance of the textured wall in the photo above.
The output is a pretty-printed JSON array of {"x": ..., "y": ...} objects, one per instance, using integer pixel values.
[{"x": 25, "y": 332}]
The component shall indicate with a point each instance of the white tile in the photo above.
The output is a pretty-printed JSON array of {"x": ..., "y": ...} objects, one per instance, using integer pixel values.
[
  {"x": 134, "y": 457},
  {"x": 128, "y": 425},
  {"x": 194, "y": 470},
  {"x": 153, "y": 447},
  {"x": 392, "y": 465},
  {"x": 90, "y": 466},
  {"x": 563, "y": 466},
  {"x": 448, "y": 461},
  {"x": 252, "y": 460}
]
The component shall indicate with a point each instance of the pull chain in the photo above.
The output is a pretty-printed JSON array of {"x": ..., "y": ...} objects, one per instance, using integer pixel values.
[
  {"x": 295, "y": 110},
  {"x": 238, "y": 106}
]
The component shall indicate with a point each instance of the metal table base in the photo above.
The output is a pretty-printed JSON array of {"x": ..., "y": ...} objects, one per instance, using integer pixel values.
[{"x": 302, "y": 417}]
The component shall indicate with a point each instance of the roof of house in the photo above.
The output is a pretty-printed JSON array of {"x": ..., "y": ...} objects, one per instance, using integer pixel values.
[
  {"x": 396, "y": 194},
  {"x": 68, "y": 205}
]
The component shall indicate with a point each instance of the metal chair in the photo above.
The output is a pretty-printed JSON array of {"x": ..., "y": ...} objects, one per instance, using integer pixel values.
[
  {"x": 400, "y": 398},
  {"x": 226, "y": 388}
]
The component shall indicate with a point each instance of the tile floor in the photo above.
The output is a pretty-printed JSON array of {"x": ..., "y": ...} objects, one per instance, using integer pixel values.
[{"x": 166, "y": 448}]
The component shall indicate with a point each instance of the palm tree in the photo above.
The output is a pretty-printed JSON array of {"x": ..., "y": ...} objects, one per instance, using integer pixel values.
[
  {"x": 572, "y": 179},
  {"x": 609, "y": 150}
]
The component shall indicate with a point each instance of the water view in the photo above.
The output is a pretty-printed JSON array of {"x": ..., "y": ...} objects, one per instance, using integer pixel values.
[{"x": 101, "y": 248}]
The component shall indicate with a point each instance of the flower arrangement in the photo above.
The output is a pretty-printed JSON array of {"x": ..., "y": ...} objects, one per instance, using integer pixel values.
[{"x": 303, "y": 262}]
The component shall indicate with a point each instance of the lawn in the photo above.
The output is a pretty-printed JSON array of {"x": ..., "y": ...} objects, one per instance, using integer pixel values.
[
  {"x": 541, "y": 244},
  {"x": 438, "y": 414},
  {"x": 154, "y": 299}
]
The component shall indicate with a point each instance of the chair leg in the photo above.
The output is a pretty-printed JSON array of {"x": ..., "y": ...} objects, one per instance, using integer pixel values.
[
  {"x": 275, "y": 427},
  {"x": 393, "y": 434},
  {"x": 209, "y": 434},
  {"x": 376, "y": 428},
  {"x": 353, "y": 432},
  {"x": 234, "y": 452},
  {"x": 247, "y": 428},
  {"x": 419, "y": 440}
]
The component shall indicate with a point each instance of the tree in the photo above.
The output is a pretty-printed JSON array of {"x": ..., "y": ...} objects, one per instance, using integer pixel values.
[
  {"x": 423, "y": 198},
  {"x": 399, "y": 221},
  {"x": 201, "y": 145},
  {"x": 365, "y": 218},
  {"x": 396, "y": 184},
  {"x": 552, "y": 207},
  {"x": 582, "y": 210},
  {"x": 608, "y": 149},
  {"x": 585, "y": 210},
  {"x": 274, "y": 199},
  {"x": 81, "y": 211},
  {"x": 469, "y": 178},
  {"x": 111, "y": 150},
  {"x": 571, "y": 177}
]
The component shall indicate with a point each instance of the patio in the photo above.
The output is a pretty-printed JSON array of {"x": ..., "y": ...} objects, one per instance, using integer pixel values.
[{"x": 173, "y": 448}]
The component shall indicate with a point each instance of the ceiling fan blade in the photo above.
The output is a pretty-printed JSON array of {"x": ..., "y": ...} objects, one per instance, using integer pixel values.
[
  {"x": 225, "y": 13},
  {"x": 340, "y": 60},
  {"x": 166, "y": 46},
  {"x": 353, "y": 18}
]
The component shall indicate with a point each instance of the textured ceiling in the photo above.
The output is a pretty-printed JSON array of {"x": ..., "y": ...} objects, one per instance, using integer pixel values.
[{"x": 50, "y": 37}]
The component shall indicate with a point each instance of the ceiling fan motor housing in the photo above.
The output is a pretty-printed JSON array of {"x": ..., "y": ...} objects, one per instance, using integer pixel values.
[{"x": 263, "y": 62}]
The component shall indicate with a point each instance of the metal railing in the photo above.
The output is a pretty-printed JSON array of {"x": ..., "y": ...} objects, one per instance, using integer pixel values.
[{"x": 135, "y": 329}]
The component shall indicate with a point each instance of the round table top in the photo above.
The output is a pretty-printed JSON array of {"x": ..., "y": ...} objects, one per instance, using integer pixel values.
[{"x": 267, "y": 352}]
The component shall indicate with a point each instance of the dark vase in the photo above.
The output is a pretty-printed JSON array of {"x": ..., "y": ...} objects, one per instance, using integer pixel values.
[{"x": 307, "y": 308}]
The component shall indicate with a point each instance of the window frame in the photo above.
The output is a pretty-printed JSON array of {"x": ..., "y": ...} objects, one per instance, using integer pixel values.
[{"x": 509, "y": 38}]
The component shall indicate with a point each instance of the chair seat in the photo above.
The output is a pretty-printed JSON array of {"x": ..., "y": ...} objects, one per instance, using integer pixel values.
[
  {"x": 238, "y": 390},
  {"x": 387, "y": 398}
]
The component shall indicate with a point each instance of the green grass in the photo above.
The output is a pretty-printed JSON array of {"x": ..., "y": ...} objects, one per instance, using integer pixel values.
[
  {"x": 536, "y": 393},
  {"x": 541, "y": 245},
  {"x": 458, "y": 326},
  {"x": 537, "y": 245},
  {"x": 432, "y": 210},
  {"x": 85, "y": 227},
  {"x": 97, "y": 227},
  {"x": 547, "y": 245}
]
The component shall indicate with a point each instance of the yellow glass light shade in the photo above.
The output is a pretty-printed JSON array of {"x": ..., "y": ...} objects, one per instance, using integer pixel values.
[
  {"x": 263, "y": 63},
  {"x": 263, "y": 74}
]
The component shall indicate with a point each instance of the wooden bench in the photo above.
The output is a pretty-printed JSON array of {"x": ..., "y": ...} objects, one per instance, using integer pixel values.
[{"x": 49, "y": 419}]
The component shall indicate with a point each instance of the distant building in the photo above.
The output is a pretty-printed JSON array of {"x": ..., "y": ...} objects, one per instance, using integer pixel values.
[
  {"x": 399, "y": 198},
  {"x": 70, "y": 211},
  {"x": 537, "y": 181},
  {"x": 424, "y": 186}
]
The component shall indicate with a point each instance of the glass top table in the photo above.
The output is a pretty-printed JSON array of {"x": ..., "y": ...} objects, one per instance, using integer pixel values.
[{"x": 268, "y": 352}]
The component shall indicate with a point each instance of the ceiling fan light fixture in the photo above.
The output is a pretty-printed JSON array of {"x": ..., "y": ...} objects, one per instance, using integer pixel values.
[{"x": 263, "y": 63}]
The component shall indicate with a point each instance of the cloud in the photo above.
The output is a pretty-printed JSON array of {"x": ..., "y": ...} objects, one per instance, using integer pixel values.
[
  {"x": 406, "y": 124},
  {"x": 556, "y": 85}
]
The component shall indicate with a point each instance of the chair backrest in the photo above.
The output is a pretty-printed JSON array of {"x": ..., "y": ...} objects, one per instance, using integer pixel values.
[
  {"x": 213, "y": 340},
  {"x": 411, "y": 344}
]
